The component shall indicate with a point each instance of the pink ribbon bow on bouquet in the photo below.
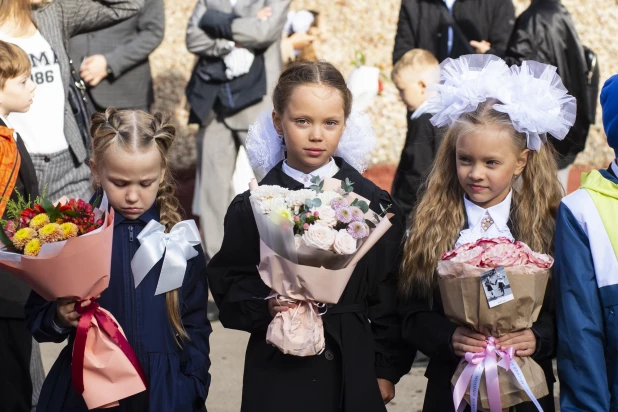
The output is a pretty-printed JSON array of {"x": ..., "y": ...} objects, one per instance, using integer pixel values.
[{"x": 487, "y": 362}]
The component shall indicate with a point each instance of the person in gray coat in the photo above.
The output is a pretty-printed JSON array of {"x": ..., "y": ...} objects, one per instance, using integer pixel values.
[
  {"x": 219, "y": 136},
  {"x": 50, "y": 130},
  {"x": 114, "y": 61}
]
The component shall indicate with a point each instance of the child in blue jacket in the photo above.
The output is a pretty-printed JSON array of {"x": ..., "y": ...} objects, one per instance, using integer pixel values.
[
  {"x": 586, "y": 280},
  {"x": 168, "y": 332}
]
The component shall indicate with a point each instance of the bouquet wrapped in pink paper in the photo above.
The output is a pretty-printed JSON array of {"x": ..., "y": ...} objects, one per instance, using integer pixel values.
[
  {"x": 64, "y": 251},
  {"x": 310, "y": 242},
  {"x": 496, "y": 286}
]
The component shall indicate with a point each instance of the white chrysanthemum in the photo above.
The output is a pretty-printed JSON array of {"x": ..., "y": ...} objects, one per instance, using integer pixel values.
[
  {"x": 299, "y": 197},
  {"x": 328, "y": 196},
  {"x": 269, "y": 192},
  {"x": 283, "y": 211},
  {"x": 270, "y": 204}
]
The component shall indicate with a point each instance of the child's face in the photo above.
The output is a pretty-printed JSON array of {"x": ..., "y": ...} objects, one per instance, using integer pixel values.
[
  {"x": 17, "y": 95},
  {"x": 486, "y": 162},
  {"x": 311, "y": 125},
  {"x": 130, "y": 179},
  {"x": 412, "y": 88}
]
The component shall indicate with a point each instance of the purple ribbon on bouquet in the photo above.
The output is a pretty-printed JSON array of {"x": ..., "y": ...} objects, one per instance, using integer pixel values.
[{"x": 487, "y": 361}]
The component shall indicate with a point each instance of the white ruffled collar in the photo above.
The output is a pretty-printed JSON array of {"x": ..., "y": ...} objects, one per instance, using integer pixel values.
[
  {"x": 499, "y": 214},
  {"x": 328, "y": 170}
]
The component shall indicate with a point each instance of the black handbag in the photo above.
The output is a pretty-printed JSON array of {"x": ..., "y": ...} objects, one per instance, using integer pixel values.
[{"x": 81, "y": 105}]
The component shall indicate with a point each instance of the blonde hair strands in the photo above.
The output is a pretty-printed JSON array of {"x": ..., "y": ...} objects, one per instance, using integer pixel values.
[
  {"x": 136, "y": 130},
  {"x": 440, "y": 214}
]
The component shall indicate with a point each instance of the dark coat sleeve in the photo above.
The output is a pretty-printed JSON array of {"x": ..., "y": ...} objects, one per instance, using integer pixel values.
[
  {"x": 393, "y": 358},
  {"x": 190, "y": 388},
  {"x": 529, "y": 41},
  {"x": 404, "y": 39},
  {"x": 417, "y": 157},
  {"x": 217, "y": 24},
  {"x": 40, "y": 316},
  {"x": 426, "y": 328},
  {"x": 501, "y": 26},
  {"x": 234, "y": 280}
]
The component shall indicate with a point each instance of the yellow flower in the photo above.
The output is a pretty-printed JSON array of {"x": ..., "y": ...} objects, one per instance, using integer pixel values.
[
  {"x": 39, "y": 221},
  {"x": 22, "y": 237},
  {"x": 69, "y": 230},
  {"x": 51, "y": 232},
  {"x": 33, "y": 247},
  {"x": 285, "y": 213}
]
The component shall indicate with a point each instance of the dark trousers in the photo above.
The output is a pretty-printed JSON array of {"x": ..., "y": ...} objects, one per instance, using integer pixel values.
[{"x": 15, "y": 352}]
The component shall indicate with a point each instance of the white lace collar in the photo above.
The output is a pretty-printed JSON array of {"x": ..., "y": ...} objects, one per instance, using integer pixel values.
[
  {"x": 499, "y": 214},
  {"x": 328, "y": 170}
]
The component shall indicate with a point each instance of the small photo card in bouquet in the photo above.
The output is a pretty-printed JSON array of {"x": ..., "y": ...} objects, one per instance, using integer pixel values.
[
  {"x": 310, "y": 242},
  {"x": 64, "y": 250},
  {"x": 496, "y": 286}
]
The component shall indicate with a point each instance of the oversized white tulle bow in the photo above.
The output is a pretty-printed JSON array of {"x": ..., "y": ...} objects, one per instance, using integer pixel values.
[
  {"x": 532, "y": 94},
  {"x": 177, "y": 246}
]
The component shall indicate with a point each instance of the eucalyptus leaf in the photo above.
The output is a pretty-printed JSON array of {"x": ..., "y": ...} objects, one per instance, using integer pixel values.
[
  {"x": 317, "y": 202},
  {"x": 363, "y": 206},
  {"x": 370, "y": 224}
]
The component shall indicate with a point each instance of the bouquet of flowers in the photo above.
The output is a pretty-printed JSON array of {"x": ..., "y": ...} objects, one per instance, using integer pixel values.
[
  {"x": 310, "y": 242},
  {"x": 64, "y": 251},
  {"x": 498, "y": 286}
]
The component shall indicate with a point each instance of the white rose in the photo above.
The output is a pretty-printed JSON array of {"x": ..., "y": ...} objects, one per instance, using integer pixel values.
[
  {"x": 344, "y": 243},
  {"x": 326, "y": 216},
  {"x": 327, "y": 197},
  {"x": 319, "y": 236}
]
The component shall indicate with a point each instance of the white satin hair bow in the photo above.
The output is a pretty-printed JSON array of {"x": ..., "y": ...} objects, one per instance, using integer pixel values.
[{"x": 177, "y": 245}]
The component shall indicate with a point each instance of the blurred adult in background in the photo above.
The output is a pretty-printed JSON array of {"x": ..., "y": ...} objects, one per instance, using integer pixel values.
[
  {"x": 452, "y": 28},
  {"x": 238, "y": 45},
  {"x": 545, "y": 32},
  {"x": 298, "y": 37},
  {"x": 114, "y": 61}
]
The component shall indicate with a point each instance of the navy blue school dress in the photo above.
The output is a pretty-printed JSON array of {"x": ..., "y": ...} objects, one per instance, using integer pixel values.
[{"x": 177, "y": 378}]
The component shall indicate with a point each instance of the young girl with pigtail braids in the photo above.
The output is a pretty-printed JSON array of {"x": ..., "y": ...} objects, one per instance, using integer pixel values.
[{"x": 168, "y": 331}]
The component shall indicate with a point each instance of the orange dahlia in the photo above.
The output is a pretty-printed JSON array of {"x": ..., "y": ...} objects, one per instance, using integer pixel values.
[
  {"x": 39, "y": 221},
  {"x": 69, "y": 230},
  {"x": 33, "y": 247},
  {"x": 50, "y": 233},
  {"x": 22, "y": 237}
]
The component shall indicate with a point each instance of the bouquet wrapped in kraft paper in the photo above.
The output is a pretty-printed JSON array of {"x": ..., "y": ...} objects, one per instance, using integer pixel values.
[
  {"x": 310, "y": 243},
  {"x": 513, "y": 279},
  {"x": 105, "y": 368}
]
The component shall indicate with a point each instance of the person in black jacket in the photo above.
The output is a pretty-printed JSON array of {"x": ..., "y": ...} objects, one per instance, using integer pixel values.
[
  {"x": 364, "y": 356},
  {"x": 412, "y": 75},
  {"x": 545, "y": 32},
  {"x": 447, "y": 27},
  {"x": 16, "y": 93}
]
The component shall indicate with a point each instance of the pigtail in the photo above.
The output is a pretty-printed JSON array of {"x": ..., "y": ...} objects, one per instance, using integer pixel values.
[{"x": 164, "y": 134}]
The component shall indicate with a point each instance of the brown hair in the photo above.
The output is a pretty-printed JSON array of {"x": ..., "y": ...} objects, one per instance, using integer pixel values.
[
  {"x": 439, "y": 216},
  {"x": 302, "y": 73},
  {"x": 416, "y": 60},
  {"x": 137, "y": 130},
  {"x": 13, "y": 62},
  {"x": 17, "y": 11}
]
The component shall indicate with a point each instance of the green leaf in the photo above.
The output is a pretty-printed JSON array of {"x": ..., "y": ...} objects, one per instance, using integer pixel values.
[
  {"x": 47, "y": 205},
  {"x": 97, "y": 202},
  {"x": 370, "y": 224},
  {"x": 363, "y": 206},
  {"x": 315, "y": 180},
  {"x": 376, "y": 217},
  {"x": 70, "y": 213},
  {"x": 382, "y": 208},
  {"x": 308, "y": 204},
  {"x": 321, "y": 185},
  {"x": 317, "y": 202},
  {"x": 354, "y": 203},
  {"x": 5, "y": 239}
]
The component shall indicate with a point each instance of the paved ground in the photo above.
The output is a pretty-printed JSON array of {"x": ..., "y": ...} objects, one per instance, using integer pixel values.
[{"x": 227, "y": 356}]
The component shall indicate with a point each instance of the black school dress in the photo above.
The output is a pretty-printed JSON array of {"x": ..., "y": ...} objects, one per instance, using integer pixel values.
[{"x": 363, "y": 333}]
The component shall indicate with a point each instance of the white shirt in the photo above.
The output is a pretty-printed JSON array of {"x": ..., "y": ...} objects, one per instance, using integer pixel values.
[
  {"x": 420, "y": 110},
  {"x": 328, "y": 170},
  {"x": 42, "y": 127},
  {"x": 498, "y": 213}
]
